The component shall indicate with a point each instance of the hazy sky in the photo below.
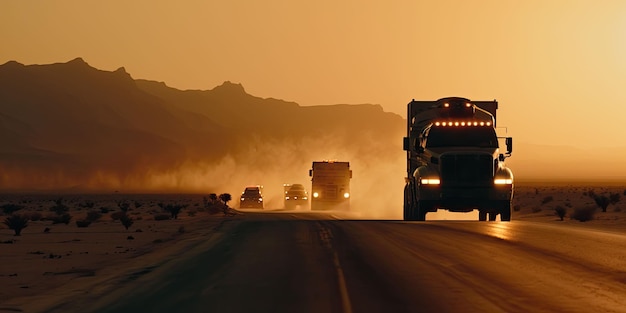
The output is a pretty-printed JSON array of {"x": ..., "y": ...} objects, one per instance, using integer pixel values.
[{"x": 558, "y": 68}]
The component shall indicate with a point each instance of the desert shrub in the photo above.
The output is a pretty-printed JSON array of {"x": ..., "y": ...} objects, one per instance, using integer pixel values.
[
  {"x": 10, "y": 208},
  {"x": 123, "y": 205},
  {"x": 16, "y": 223},
  {"x": 173, "y": 209},
  {"x": 104, "y": 210},
  {"x": 225, "y": 197},
  {"x": 583, "y": 214},
  {"x": 536, "y": 209},
  {"x": 560, "y": 211},
  {"x": 93, "y": 216},
  {"x": 162, "y": 217},
  {"x": 547, "y": 199},
  {"x": 59, "y": 207},
  {"x": 61, "y": 219},
  {"x": 127, "y": 221},
  {"x": 602, "y": 201},
  {"x": 138, "y": 204},
  {"x": 624, "y": 192},
  {"x": 83, "y": 223},
  {"x": 116, "y": 216},
  {"x": 192, "y": 213},
  {"x": 517, "y": 208},
  {"x": 181, "y": 229}
]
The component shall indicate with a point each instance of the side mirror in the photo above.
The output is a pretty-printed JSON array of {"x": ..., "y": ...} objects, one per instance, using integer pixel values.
[
  {"x": 509, "y": 145},
  {"x": 311, "y": 173},
  {"x": 405, "y": 143}
]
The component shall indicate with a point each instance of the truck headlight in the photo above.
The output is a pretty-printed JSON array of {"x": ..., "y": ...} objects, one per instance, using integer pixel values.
[
  {"x": 242, "y": 199},
  {"x": 503, "y": 181},
  {"x": 346, "y": 195},
  {"x": 316, "y": 195},
  {"x": 430, "y": 181}
]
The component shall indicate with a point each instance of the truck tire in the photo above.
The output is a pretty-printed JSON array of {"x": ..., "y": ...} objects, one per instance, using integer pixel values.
[
  {"x": 408, "y": 204},
  {"x": 420, "y": 211},
  {"x": 492, "y": 216},
  {"x": 482, "y": 215},
  {"x": 505, "y": 212}
]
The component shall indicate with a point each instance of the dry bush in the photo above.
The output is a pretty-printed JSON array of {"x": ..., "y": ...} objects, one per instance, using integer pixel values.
[
  {"x": 11, "y": 208},
  {"x": 16, "y": 222},
  {"x": 536, "y": 209},
  {"x": 59, "y": 207},
  {"x": 127, "y": 221},
  {"x": 173, "y": 209},
  {"x": 123, "y": 205},
  {"x": 602, "y": 201},
  {"x": 583, "y": 214},
  {"x": 560, "y": 211}
]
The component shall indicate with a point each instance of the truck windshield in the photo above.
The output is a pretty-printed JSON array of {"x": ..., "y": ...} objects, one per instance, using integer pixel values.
[{"x": 482, "y": 137}]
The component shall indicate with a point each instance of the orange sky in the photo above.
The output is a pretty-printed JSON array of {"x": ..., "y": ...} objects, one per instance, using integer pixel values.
[{"x": 557, "y": 67}]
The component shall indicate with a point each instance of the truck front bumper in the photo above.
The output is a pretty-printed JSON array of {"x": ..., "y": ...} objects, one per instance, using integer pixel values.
[{"x": 465, "y": 199}]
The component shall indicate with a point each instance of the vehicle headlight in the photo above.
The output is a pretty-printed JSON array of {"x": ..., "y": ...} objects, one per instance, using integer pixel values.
[
  {"x": 503, "y": 181},
  {"x": 286, "y": 198},
  {"x": 346, "y": 195},
  {"x": 430, "y": 181},
  {"x": 316, "y": 195},
  {"x": 243, "y": 199}
]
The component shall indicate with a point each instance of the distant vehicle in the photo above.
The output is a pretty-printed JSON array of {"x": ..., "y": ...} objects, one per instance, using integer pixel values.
[
  {"x": 295, "y": 195},
  {"x": 454, "y": 161},
  {"x": 330, "y": 185},
  {"x": 252, "y": 197}
]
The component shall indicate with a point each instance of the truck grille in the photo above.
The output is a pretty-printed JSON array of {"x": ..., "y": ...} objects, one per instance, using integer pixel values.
[
  {"x": 466, "y": 169},
  {"x": 330, "y": 192}
]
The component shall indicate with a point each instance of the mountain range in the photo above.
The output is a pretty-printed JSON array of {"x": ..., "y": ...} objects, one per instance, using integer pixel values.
[{"x": 70, "y": 126}]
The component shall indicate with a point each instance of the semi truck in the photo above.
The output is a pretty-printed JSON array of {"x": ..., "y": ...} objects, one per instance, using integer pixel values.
[
  {"x": 330, "y": 185},
  {"x": 454, "y": 160}
]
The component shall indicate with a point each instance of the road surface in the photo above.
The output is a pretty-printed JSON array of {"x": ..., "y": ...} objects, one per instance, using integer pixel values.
[{"x": 306, "y": 262}]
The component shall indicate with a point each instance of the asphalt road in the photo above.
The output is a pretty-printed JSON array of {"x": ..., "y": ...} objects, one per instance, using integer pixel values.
[{"x": 284, "y": 262}]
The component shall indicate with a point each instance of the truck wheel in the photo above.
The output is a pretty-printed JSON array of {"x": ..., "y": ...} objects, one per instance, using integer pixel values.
[
  {"x": 408, "y": 205},
  {"x": 420, "y": 211},
  {"x": 492, "y": 216},
  {"x": 505, "y": 213},
  {"x": 482, "y": 216}
]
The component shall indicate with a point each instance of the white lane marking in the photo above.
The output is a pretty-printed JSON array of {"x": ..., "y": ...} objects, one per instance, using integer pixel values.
[{"x": 326, "y": 236}]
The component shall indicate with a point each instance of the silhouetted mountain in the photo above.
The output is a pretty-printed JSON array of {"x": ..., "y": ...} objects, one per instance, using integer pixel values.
[{"x": 69, "y": 124}]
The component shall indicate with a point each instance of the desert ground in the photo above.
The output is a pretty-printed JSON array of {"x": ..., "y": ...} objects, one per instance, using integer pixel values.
[{"x": 51, "y": 260}]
